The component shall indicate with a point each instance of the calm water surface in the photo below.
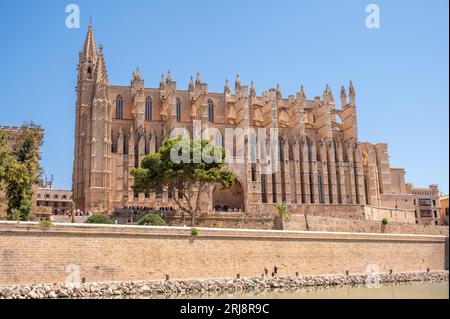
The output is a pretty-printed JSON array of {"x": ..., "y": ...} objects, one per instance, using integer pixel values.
[{"x": 435, "y": 290}]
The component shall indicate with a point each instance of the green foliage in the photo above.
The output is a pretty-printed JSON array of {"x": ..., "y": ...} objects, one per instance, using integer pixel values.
[
  {"x": 4, "y": 158},
  {"x": 283, "y": 212},
  {"x": 182, "y": 166},
  {"x": 20, "y": 170},
  {"x": 384, "y": 221},
  {"x": 45, "y": 223},
  {"x": 152, "y": 220},
  {"x": 98, "y": 219},
  {"x": 194, "y": 231}
]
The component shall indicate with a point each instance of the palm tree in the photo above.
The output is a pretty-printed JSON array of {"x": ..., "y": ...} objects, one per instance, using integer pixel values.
[
  {"x": 306, "y": 220},
  {"x": 284, "y": 214},
  {"x": 72, "y": 211}
]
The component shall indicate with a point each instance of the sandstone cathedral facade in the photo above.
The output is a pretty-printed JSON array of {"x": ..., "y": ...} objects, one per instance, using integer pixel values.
[{"x": 323, "y": 167}]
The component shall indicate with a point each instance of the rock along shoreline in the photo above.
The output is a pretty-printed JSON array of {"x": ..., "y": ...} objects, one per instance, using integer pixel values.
[{"x": 169, "y": 287}]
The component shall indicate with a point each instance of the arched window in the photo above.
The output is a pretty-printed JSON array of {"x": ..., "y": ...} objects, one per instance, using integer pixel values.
[
  {"x": 148, "y": 109},
  {"x": 178, "y": 110},
  {"x": 210, "y": 111},
  {"x": 89, "y": 73},
  {"x": 119, "y": 107}
]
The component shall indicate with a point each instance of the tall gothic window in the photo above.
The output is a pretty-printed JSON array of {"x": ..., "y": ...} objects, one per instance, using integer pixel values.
[
  {"x": 178, "y": 109},
  {"x": 210, "y": 111},
  {"x": 219, "y": 139},
  {"x": 320, "y": 182},
  {"x": 366, "y": 189},
  {"x": 148, "y": 109},
  {"x": 263, "y": 188},
  {"x": 119, "y": 107}
]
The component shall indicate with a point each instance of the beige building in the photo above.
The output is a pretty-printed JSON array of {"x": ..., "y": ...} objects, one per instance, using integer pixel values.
[
  {"x": 426, "y": 204},
  {"x": 444, "y": 209},
  {"x": 57, "y": 200},
  {"x": 321, "y": 167}
]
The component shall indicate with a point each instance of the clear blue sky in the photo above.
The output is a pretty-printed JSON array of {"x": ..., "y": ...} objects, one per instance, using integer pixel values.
[{"x": 400, "y": 71}]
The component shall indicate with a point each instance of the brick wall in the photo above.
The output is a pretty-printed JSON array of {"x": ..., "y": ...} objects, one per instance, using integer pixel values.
[{"x": 31, "y": 254}]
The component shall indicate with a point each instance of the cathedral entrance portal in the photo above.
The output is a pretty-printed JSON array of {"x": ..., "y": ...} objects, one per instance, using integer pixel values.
[{"x": 231, "y": 199}]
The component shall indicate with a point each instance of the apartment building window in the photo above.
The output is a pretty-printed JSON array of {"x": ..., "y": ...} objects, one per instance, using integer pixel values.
[
  {"x": 426, "y": 214},
  {"x": 424, "y": 202}
]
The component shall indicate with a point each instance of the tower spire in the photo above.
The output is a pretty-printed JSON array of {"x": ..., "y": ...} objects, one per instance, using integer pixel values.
[
  {"x": 328, "y": 95},
  {"x": 343, "y": 96},
  {"x": 226, "y": 89},
  {"x": 89, "y": 48},
  {"x": 351, "y": 93},
  {"x": 101, "y": 74},
  {"x": 302, "y": 93}
]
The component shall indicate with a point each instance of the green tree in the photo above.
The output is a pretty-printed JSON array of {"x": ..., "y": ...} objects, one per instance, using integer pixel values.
[
  {"x": 284, "y": 214},
  {"x": 185, "y": 168},
  {"x": 4, "y": 159},
  {"x": 20, "y": 170},
  {"x": 98, "y": 219},
  {"x": 152, "y": 220}
]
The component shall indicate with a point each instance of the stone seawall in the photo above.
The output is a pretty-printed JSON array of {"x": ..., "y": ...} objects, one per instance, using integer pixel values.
[
  {"x": 186, "y": 287},
  {"x": 325, "y": 223},
  {"x": 30, "y": 253}
]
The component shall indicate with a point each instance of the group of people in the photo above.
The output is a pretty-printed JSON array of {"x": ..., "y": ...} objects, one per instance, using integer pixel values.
[
  {"x": 80, "y": 212},
  {"x": 146, "y": 208},
  {"x": 68, "y": 212},
  {"x": 220, "y": 209}
]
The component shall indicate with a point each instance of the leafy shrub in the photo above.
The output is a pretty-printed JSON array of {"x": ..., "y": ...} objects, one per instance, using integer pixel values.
[
  {"x": 194, "y": 231},
  {"x": 384, "y": 221},
  {"x": 45, "y": 223},
  {"x": 98, "y": 219},
  {"x": 152, "y": 220}
]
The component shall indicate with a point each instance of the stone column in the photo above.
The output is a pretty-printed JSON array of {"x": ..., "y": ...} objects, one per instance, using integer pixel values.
[
  {"x": 341, "y": 180},
  {"x": 296, "y": 165},
  {"x": 314, "y": 171},
  {"x": 332, "y": 173},
  {"x": 359, "y": 177},
  {"x": 287, "y": 172},
  {"x": 306, "y": 187},
  {"x": 325, "y": 175}
]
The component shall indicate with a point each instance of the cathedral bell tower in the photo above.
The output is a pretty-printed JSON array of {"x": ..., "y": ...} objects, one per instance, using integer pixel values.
[{"x": 92, "y": 158}]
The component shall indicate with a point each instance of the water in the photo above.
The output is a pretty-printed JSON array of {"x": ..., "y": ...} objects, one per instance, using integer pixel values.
[{"x": 420, "y": 290}]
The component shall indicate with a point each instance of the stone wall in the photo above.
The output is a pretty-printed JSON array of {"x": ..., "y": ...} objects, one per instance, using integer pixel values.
[
  {"x": 225, "y": 220},
  {"x": 405, "y": 216},
  {"x": 32, "y": 254},
  {"x": 323, "y": 223},
  {"x": 330, "y": 210}
]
